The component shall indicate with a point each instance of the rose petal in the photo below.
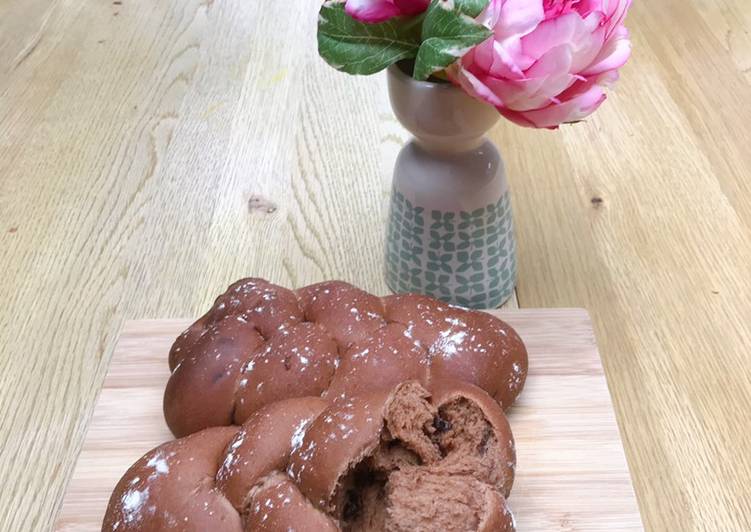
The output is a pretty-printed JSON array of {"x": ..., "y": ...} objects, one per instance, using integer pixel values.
[
  {"x": 412, "y": 7},
  {"x": 473, "y": 86},
  {"x": 612, "y": 56},
  {"x": 570, "y": 111},
  {"x": 552, "y": 33},
  {"x": 616, "y": 14},
  {"x": 514, "y": 17},
  {"x": 371, "y": 11}
]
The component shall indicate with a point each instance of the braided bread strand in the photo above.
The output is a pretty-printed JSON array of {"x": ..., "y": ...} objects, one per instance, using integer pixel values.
[
  {"x": 396, "y": 460},
  {"x": 261, "y": 343}
]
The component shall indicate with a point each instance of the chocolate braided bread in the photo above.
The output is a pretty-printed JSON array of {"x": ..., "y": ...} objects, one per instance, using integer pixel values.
[
  {"x": 398, "y": 460},
  {"x": 261, "y": 343}
]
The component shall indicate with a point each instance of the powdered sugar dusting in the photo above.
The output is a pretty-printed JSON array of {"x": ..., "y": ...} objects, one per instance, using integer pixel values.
[
  {"x": 133, "y": 504},
  {"x": 449, "y": 342},
  {"x": 299, "y": 434},
  {"x": 230, "y": 460},
  {"x": 515, "y": 379},
  {"x": 159, "y": 463}
]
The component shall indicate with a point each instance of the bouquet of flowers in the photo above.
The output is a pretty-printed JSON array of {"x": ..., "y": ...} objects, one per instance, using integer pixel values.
[{"x": 541, "y": 63}]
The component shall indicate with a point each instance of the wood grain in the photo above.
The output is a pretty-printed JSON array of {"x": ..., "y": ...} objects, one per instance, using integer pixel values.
[
  {"x": 153, "y": 152},
  {"x": 569, "y": 450}
]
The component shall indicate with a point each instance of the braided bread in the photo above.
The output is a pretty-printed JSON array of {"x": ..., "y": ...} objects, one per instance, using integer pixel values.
[
  {"x": 261, "y": 343},
  {"x": 405, "y": 459},
  {"x": 326, "y": 409}
]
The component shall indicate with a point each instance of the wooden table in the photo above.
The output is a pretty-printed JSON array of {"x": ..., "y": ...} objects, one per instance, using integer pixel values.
[{"x": 152, "y": 152}]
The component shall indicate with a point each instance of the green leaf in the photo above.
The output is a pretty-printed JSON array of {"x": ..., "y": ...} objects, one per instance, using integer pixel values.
[
  {"x": 358, "y": 48},
  {"x": 449, "y": 31},
  {"x": 473, "y": 8}
]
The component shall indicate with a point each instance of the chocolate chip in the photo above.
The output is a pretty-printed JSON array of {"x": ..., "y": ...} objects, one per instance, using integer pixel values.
[
  {"x": 441, "y": 425},
  {"x": 483, "y": 447},
  {"x": 352, "y": 505}
]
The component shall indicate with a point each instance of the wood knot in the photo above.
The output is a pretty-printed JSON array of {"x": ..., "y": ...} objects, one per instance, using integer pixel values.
[
  {"x": 597, "y": 201},
  {"x": 13, "y": 230},
  {"x": 262, "y": 205}
]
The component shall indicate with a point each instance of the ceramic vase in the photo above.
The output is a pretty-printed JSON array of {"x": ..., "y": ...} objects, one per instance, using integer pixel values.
[{"x": 450, "y": 227}]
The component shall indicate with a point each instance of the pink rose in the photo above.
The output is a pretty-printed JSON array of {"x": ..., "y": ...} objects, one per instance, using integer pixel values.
[
  {"x": 549, "y": 60},
  {"x": 372, "y": 11}
]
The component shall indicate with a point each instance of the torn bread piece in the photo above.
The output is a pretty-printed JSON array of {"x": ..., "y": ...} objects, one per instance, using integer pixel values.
[{"x": 410, "y": 460}]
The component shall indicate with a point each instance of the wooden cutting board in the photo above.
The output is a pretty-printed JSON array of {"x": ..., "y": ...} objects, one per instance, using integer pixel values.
[{"x": 571, "y": 475}]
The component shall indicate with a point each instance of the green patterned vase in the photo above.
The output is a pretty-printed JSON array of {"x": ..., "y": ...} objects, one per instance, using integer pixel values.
[{"x": 450, "y": 228}]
